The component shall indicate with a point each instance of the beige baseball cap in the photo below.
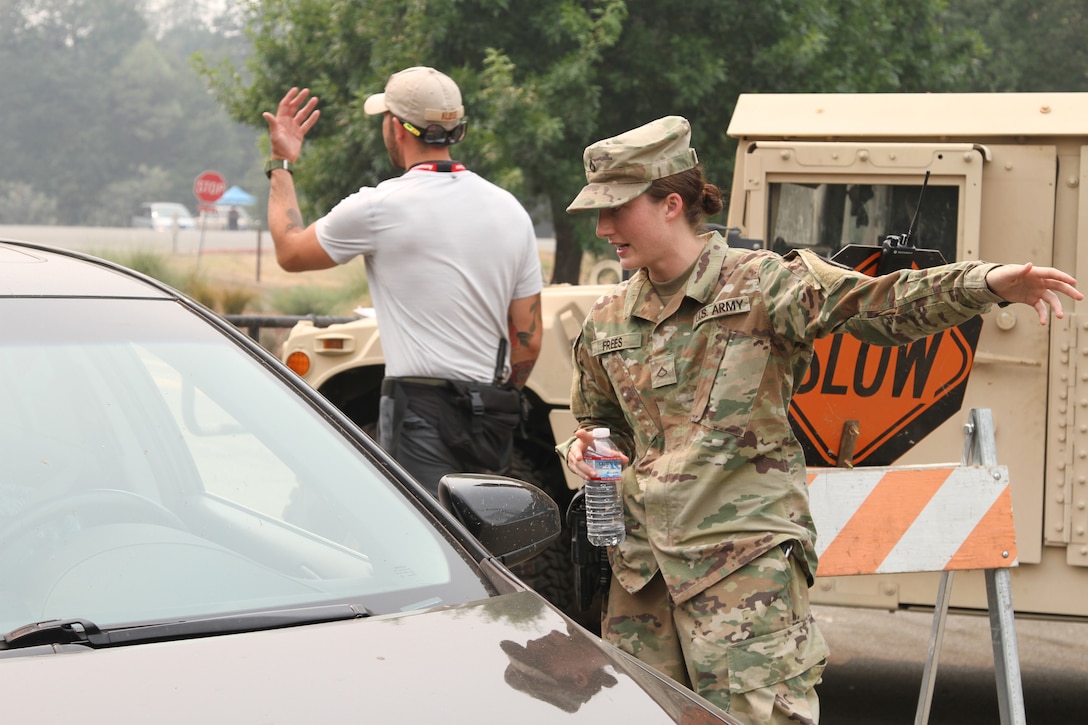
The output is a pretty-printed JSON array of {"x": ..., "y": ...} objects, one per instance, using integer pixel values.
[
  {"x": 421, "y": 96},
  {"x": 620, "y": 168}
]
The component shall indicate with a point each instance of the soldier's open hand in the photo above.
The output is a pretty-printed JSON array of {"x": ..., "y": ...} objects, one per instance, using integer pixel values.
[{"x": 1035, "y": 286}]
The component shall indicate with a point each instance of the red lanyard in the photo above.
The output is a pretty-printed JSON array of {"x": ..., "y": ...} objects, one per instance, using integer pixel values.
[{"x": 439, "y": 166}]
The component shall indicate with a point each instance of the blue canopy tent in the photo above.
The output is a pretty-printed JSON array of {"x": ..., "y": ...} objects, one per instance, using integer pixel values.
[{"x": 235, "y": 196}]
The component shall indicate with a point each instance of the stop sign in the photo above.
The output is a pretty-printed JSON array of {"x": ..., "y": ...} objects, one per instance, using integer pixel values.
[{"x": 209, "y": 186}]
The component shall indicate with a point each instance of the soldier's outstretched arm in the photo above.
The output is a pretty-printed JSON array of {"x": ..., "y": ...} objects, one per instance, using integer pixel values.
[{"x": 1035, "y": 286}]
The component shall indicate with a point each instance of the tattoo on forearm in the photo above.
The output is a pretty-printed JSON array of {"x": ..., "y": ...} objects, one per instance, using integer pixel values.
[
  {"x": 519, "y": 370},
  {"x": 294, "y": 219},
  {"x": 519, "y": 373},
  {"x": 524, "y": 337}
]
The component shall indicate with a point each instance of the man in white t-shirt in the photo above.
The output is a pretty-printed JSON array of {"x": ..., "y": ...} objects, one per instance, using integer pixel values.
[{"x": 453, "y": 270}]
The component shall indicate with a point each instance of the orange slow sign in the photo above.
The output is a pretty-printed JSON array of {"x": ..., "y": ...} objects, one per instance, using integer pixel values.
[{"x": 898, "y": 395}]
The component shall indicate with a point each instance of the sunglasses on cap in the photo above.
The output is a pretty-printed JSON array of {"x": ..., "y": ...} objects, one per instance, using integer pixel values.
[{"x": 435, "y": 134}]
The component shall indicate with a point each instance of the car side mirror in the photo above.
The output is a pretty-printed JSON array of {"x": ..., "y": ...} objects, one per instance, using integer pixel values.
[{"x": 514, "y": 520}]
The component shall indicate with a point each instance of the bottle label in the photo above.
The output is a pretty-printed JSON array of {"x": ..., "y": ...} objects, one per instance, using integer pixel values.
[{"x": 607, "y": 469}]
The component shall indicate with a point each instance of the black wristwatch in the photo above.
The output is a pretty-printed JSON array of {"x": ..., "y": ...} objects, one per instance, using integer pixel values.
[{"x": 274, "y": 164}]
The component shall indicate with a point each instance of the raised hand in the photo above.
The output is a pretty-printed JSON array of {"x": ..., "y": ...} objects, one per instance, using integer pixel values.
[{"x": 295, "y": 116}]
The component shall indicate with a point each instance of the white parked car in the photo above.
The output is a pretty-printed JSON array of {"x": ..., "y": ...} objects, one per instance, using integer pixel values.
[{"x": 163, "y": 216}]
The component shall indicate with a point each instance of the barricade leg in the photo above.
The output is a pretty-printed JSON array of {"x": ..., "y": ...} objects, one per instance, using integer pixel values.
[
  {"x": 980, "y": 448},
  {"x": 933, "y": 655},
  {"x": 1010, "y": 693}
]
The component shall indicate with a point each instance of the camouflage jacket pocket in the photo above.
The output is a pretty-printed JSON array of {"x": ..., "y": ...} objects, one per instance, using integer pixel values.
[
  {"x": 730, "y": 381},
  {"x": 631, "y": 377},
  {"x": 799, "y": 650}
]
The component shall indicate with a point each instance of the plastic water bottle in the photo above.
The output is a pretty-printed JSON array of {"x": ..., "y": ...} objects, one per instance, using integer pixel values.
[{"x": 604, "y": 496}]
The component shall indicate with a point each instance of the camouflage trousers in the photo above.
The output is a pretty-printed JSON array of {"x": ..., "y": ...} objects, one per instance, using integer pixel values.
[{"x": 748, "y": 643}]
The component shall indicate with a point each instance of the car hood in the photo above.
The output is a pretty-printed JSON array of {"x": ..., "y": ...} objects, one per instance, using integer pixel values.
[{"x": 507, "y": 659}]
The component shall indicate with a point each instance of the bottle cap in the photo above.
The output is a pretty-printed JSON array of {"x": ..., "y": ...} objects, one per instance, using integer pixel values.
[{"x": 601, "y": 433}]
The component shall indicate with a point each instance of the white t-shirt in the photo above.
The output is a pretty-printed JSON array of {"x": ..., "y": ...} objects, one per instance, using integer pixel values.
[{"x": 446, "y": 252}]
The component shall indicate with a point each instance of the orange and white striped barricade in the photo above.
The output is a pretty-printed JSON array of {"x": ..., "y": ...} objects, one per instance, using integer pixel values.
[{"x": 891, "y": 520}]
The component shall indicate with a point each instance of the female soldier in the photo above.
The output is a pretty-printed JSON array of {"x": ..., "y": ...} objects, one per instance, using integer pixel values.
[{"x": 692, "y": 363}]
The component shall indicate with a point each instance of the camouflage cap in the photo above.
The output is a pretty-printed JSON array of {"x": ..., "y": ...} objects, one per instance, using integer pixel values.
[{"x": 620, "y": 168}]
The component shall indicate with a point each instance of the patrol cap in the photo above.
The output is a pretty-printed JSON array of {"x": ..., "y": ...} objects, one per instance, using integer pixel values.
[
  {"x": 620, "y": 168},
  {"x": 421, "y": 96}
]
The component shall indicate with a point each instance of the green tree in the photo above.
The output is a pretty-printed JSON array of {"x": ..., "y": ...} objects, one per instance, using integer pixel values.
[
  {"x": 101, "y": 105},
  {"x": 55, "y": 55},
  {"x": 1030, "y": 46},
  {"x": 543, "y": 80},
  {"x": 20, "y": 203}
]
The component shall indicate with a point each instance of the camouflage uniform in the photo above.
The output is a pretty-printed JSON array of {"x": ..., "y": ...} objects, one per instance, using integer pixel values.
[{"x": 696, "y": 392}]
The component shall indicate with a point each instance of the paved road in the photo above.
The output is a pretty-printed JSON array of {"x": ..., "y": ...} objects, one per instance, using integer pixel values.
[
  {"x": 877, "y": 659},
  {"x": 92, "y": 239}
]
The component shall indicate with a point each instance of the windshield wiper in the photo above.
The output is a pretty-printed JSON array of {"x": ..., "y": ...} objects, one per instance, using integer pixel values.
[
  {"x": 83, "y": 631},
  {"x": 56, "y": 631}
]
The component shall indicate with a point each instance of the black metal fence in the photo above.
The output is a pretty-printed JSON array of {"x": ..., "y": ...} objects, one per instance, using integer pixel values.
[{"x": 252, "y": 324}]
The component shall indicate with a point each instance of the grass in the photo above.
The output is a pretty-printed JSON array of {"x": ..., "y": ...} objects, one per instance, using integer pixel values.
[
  {"x": 242, "y": 282},
  {"x": 239, "y": 282}
]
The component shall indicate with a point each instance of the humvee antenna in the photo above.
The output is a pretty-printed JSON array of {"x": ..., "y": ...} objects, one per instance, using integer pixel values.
[{"x": 905, "y": 241}]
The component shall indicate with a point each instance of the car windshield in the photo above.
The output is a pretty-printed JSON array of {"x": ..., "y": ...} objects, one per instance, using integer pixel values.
[{"x": 151, "y": 470}]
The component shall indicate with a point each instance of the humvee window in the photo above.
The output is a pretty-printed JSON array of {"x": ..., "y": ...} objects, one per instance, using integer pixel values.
[{"x": 827, "y": 217}]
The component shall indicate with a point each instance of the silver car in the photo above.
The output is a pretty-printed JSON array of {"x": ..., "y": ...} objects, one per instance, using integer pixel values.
[{"x": 189, "y": 533}]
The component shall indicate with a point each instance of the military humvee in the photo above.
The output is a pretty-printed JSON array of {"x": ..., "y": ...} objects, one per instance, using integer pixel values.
[{"x": 1006, "y": 183}]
